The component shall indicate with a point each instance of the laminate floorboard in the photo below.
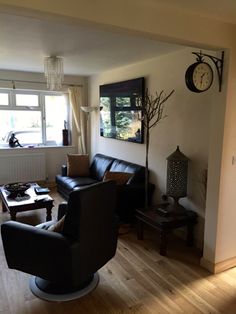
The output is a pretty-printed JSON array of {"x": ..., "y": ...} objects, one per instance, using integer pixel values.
[{"x": 137, "y": 280}]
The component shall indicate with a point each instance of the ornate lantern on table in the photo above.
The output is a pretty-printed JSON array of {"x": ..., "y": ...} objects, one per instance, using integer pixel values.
[{"x": 177, "y": 177}]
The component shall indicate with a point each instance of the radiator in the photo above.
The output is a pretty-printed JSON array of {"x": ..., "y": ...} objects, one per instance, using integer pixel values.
[{"x": 22, "y": 168}]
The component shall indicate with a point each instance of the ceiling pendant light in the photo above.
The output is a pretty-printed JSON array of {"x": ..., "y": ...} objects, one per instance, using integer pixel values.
[{"x": 53, "y": 69}]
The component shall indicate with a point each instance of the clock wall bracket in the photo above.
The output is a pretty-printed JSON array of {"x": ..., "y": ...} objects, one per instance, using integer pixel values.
[{"x": 218, "y": 62}]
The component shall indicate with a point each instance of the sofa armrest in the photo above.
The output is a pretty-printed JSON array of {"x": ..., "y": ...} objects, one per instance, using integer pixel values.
[
  {"x": 64, "y": 170},
  {"x": 33, "y": 250}
]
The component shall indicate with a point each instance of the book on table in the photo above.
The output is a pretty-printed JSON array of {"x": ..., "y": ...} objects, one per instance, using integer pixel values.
[{"x": 39, "y": 190}]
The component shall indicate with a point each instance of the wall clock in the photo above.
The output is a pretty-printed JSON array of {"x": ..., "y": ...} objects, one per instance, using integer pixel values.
[{"x": 199, "y": 77}]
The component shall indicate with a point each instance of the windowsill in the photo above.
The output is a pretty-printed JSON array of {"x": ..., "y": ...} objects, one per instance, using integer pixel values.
[{"x": 36, "y": 147}]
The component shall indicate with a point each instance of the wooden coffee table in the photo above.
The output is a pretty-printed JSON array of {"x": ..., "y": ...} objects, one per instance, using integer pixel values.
[{"x": 33, "y": 201}]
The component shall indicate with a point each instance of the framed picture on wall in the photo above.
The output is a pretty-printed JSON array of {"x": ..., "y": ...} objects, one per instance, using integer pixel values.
[{"x": 120, "y": 115}]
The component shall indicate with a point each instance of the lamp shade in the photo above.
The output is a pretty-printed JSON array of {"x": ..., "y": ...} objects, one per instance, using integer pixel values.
[
  {"x": 177, "y": 175},
  {"x": 54, "y": 73}
]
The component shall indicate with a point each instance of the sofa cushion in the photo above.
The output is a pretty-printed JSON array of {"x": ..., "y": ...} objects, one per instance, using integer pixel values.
[
  {"x": 77, "y": 165},
  {"x": 120, "y": 178},
  {"x": 99, "y": 166},
  {"x": 124, "y": 166},
  {"x": 70, "y": 183},
  {"x": 58, "y": 225}
]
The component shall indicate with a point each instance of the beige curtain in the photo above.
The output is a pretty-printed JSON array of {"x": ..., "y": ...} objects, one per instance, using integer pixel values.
[{"x": 76, "y": 101}]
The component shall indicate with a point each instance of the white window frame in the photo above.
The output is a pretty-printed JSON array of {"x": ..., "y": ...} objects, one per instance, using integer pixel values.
[
  {"x": 24, "y": 92},
  {"x": 41, "y": 107},
  {"x": 6, "y": 91}
]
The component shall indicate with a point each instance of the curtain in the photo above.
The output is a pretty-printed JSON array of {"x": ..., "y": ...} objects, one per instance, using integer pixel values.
[{"x": 75, "y": 96}]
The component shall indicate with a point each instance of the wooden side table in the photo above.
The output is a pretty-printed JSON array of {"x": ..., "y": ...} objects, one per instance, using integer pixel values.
[{"x": 165, "y": 224}]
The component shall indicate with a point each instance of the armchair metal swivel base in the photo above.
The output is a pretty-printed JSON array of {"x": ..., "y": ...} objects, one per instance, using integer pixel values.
[
  {"x": 65, "y": 263},
  {"x": 60, "y": 291},
  {"x": 48, "y": 291}
]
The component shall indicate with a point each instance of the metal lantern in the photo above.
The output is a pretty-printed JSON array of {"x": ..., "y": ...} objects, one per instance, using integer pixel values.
[{"x": 177, "y": 175}]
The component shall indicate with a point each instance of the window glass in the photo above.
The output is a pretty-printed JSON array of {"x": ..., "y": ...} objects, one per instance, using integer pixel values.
[
  {"x": 128, "y": 125},
  {"x": 56, "y": 115},
  {"x": 27, "y": 100},
  {"x": 123, "y": 102},
  {"x": 4, "y": 99},
  {"x": 26, "y": 125}
]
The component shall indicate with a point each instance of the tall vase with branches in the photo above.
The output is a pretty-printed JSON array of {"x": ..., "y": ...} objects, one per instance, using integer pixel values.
[{"x": 152, "y": 113}]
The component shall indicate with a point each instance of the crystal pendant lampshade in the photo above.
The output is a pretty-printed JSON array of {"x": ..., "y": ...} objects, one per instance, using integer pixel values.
[{"x": 53, "y": 69}]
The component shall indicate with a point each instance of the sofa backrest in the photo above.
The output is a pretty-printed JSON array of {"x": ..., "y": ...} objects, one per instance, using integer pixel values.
[
  {"x": 125, "y": 166},
  {"x": 100, "y": 164}
]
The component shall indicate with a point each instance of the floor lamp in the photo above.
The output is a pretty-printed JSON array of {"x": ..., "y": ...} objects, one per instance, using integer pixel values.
[{"x": 87, "y": 110}]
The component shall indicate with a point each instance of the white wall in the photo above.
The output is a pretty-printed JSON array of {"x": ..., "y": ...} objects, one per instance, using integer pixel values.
[{"x": 187, "y": 125}]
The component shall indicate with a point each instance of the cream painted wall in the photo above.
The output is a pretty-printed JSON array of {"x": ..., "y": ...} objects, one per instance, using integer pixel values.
[
  {"x": 226, "y": 231},
  {"x": 147, "y": 18},
  {"x": 55, "y": 156},
  {"x": 187, "y": 125}
]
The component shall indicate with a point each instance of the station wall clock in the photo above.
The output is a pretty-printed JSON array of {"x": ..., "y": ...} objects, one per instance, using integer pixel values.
[{"x": 199, "y": 77}]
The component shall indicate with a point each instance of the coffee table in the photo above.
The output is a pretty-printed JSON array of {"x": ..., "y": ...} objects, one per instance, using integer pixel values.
[{"x": 32, "y": 202}]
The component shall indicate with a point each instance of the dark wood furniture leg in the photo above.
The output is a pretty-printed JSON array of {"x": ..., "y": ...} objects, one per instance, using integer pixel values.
[
  {"x": 4, "y": 209},
  {"x": 49, "y": 212},
  {"x": 140, "y": 229},
  {"x": 13, "y": 215},
  {"x": 163, "y": 242},
  {"x": 190, "y": 237}
]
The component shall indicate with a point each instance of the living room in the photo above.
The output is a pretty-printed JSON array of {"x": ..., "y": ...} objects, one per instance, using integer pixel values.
[{"x": 195, "y": 122}]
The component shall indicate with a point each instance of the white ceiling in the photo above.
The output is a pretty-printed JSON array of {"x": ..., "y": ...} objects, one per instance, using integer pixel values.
[{"x": 26, "y": 41}]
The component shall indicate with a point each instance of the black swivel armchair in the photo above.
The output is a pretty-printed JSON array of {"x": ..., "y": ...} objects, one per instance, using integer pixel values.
[{"x": 66, "y": 262}]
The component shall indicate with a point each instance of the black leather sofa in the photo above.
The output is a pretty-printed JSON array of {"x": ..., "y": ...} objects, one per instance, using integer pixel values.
[{"x": 129, "y": 196}]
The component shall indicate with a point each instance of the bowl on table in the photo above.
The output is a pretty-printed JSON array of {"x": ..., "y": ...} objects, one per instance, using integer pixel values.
[{"x": 16, "y": 189}]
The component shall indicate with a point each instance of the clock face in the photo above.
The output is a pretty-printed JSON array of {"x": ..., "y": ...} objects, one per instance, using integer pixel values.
[{"x": 199, "y": 77}]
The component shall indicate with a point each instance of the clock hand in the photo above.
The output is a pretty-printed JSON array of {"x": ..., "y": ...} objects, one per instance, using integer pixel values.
[{"x": 202, "y": 78}]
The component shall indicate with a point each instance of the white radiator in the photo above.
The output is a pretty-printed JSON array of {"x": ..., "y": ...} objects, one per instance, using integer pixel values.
[{"x": 22, "y": 168}]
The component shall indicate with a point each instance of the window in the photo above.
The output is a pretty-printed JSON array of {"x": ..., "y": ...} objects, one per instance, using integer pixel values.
[
  {"x": 36, "y": 118},
  {"x": 27, "y": 100}
]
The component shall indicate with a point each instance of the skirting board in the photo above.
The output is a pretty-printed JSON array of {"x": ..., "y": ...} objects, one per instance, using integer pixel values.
[{"x": 216, "y": 268}]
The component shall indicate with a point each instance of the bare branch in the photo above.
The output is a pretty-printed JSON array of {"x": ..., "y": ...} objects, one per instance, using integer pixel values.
[
  {"x": 152, "y": 112},
  {"x": 152, "y": 107}
]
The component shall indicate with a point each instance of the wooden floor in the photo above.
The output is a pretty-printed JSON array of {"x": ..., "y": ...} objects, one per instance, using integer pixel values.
[{"x": 137, "y": 280}]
